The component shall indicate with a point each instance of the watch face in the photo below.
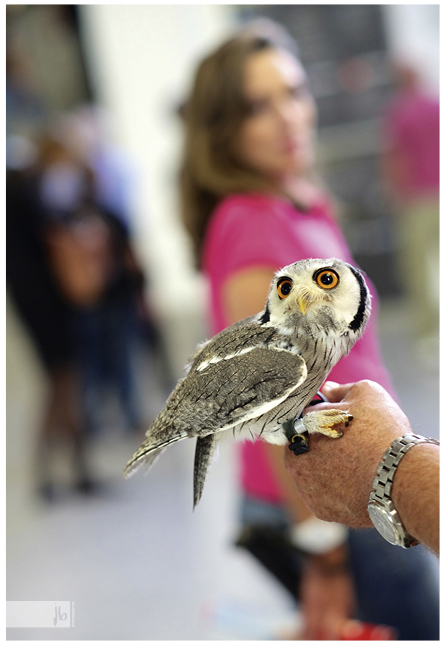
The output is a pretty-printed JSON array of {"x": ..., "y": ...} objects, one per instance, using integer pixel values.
[{"x": 383, "y": 523}]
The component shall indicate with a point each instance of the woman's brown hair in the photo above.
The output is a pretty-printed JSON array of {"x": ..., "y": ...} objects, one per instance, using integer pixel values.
[{"x": 212, "y": 117}]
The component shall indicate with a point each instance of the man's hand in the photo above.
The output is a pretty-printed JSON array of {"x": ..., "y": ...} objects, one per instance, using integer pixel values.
[{"x": 336, "y": 477}]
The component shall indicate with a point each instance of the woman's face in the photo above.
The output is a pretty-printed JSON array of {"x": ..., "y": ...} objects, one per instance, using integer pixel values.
[{"x": 277, "y": 137}]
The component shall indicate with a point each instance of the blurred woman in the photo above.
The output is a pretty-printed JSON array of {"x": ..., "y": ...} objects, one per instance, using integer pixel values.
[{"x": 251, "y": 205}]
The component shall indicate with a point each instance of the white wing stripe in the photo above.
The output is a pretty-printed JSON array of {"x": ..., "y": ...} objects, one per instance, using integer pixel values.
[{"x": 204, "y": 364}]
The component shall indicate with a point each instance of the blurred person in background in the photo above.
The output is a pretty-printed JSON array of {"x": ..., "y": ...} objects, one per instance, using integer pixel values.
[
  {"x": 411, "y": 177},
  {"x": 76, "y": 283},
  {"x": 86, "y": 193},
  {"x": 48, "y": 319},
  {"x": 252, "y": 204}
]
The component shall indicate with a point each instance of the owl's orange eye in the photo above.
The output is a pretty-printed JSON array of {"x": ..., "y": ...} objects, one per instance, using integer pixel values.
[
  {"x": 327, "y": 279},
  {"x": 284, "y": 288}
]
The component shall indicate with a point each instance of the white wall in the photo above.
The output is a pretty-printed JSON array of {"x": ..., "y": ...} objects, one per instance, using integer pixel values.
[
  {"x": 413, "y": 33},
  {"x": 142, "y": 58}
]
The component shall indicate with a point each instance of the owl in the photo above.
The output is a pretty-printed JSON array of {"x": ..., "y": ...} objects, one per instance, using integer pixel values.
[{"x": 255, "y": 375}]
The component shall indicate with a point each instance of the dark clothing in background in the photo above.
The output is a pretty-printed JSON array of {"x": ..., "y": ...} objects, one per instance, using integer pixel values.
[{"x": 29, "y": 278}]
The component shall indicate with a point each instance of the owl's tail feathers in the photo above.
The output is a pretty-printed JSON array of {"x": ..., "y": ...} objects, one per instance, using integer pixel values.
[
  {"x": 204, "y": 452},
  {"x": 147, "y": 454}
]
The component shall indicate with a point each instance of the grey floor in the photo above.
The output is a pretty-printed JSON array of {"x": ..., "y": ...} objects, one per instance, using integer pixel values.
[{"x": 135, "y": 560}]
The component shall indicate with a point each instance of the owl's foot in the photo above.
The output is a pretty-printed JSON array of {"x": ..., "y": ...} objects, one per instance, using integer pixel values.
[{"x": 324, "y": 421}]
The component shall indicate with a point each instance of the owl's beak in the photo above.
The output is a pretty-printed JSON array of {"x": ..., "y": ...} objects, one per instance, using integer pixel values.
[
  {"x": 302, "y": 304},
  {"x": 305, "y": 299}
]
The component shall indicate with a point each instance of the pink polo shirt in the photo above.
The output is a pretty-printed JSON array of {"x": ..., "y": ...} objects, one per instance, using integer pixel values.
[
  {"x": 411, "y": 125},
  {"x": 253, "y": 230}
]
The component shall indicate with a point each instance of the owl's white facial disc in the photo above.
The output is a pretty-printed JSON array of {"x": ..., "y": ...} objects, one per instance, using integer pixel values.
[{"x": 325, "y": 296}]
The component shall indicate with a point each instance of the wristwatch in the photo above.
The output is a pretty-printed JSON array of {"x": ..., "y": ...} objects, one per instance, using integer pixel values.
[{"x": 381, "y": 508}]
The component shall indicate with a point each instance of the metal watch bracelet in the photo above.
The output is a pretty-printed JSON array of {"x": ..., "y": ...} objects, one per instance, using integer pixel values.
[{"x": 383, "y": 482}]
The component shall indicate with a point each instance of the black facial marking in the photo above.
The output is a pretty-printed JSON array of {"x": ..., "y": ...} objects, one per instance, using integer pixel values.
[
  {"x": 266, "y": 316},
  {"x": 359, "y": 316}
]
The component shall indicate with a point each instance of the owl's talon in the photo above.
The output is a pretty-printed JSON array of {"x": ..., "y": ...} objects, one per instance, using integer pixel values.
[{"x": 324, "y": 422}]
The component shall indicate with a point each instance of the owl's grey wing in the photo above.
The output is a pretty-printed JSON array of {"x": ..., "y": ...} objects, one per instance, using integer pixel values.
[
  {"x": 237, "y": 388},
  {"x": 227, "y": 391},
  {"x": 204, "y": 451},
  {"x": 222, "y": 394}
]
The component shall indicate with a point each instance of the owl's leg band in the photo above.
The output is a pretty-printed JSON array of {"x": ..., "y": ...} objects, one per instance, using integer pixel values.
[{"x": 295, "y": 432}]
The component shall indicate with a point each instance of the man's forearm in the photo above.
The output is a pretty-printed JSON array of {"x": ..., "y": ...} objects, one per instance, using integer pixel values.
[{"x": 415, "y": 493}]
